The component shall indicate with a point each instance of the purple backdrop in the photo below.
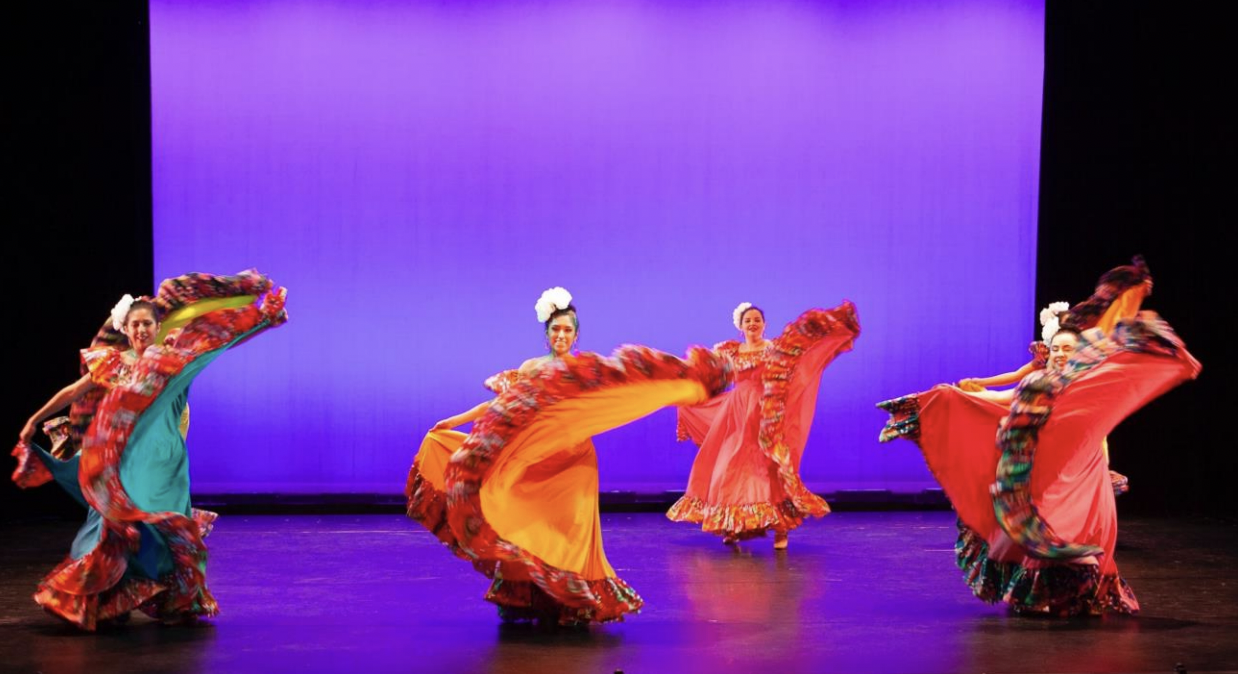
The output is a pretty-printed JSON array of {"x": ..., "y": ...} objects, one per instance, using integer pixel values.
[{"x": 418, "y": 174}]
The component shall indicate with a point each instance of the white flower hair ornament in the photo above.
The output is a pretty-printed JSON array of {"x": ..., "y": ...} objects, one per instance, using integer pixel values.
[
  {"x": 552, "y": 300},
  {"x": 1049, "y": 319},
  {"x": 120, "y": 312},
  {"x": 739, "y": 313}
]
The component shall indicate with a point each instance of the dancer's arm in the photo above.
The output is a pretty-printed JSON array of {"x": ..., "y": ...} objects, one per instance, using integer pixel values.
[
  {"x": 66, "y": 396},
  {"x": 1003, "y": 397},
  {"x": 463, "y": 418},
  {"x": 528, "y": 366},
  {"x": 726, "y": 349},
  {"x": 972, "y": 385}
]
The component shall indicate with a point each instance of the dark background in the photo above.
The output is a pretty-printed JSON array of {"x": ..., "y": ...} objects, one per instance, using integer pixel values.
[{"x": 1137, "y": 154}]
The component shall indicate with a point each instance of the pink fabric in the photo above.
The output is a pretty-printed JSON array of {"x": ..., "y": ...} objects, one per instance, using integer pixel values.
[
  {"x": 1070, "y": 481},
  {"x": 1071, "y": 486},
  {"x": 958, "y": 436},
  {"x": 732, "y": 468}
]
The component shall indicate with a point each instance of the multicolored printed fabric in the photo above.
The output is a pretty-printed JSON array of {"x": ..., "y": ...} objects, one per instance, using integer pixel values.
[
  {"x": 904, "y": 421},
  {"x": 502, "y": 381},
  {"x": 1109, "y": 289},
  {"x": 31, "y": 472},
  {"x": 58, "y": 430},
  {"x": 1053, "y": 590}
]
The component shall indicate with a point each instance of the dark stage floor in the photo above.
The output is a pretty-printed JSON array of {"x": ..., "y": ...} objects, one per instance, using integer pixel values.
[{"x": 856, "y": 592}]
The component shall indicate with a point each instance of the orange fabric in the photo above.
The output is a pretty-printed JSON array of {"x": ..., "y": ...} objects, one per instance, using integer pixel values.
[
  {"x": 434, "y": 454},
  {"x": 1125, "y": 306},
  {"x": 521, "y": 491},
  {"x": 542, "y": 493}
]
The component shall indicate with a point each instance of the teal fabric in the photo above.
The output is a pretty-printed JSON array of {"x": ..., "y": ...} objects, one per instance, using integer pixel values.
[{"x": 154, "y": 469}]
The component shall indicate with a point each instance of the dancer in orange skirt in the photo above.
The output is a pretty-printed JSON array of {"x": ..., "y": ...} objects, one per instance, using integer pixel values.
[{"x": 518, "y": 496}]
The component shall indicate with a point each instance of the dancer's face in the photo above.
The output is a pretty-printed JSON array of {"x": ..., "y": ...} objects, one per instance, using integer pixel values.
[
  {"x": 1062, "y": 349},
  {"x": 752, "y": 324},
  {"x": 141, "y": 328},
  {"x": 562, "y": 334}
]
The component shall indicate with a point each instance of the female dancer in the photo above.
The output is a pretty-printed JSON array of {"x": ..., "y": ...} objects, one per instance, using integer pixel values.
[
  {"x": 1037, "y": 520},
  {"x": 745, "y": 479},
  {"x": 518, "y": 496},
  {"x": 425, "y": 489},
  {"x": 1050, "y": 321},
  {"x": 141, "y": 546}
]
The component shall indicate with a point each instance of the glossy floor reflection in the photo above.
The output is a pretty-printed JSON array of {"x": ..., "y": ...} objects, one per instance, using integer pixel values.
[{"x": 856, "y": 592}]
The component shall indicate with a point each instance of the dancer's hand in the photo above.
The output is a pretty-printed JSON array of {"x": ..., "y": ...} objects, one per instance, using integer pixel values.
[
  {"x": 444, "y": 425},
  {"x": 27, "y": 433},
  {"x": 273, "y": 306},
  {"x": 969, "y": 385}
]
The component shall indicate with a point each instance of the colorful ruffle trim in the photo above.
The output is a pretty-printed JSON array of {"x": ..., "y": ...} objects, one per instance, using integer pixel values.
[
  {"x": 30, "y": 471},
  {"x": 205, "y": 519},
  {"x": 502, "y": 381},
  {"x": 157, "y": 599},
  {"x": 904, "y": 421},
  {"x": 681, "y": 431},
  {"x": 801, "y": 335},
  {"x": 751, "y": 520},
  {"x": 1061, "y": 589},
  {"x": 58, "y": 430},
  {"x": 1121, "y": 483},
  {"x": 104, "y": 364},
  {"x": 1040, "y": 354},
  {"x": 87, "y": 611},
  {"x": 525, "y": 600},
  {"x": 173, "y": 294},
  {"x": 428, "y": 507}
]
